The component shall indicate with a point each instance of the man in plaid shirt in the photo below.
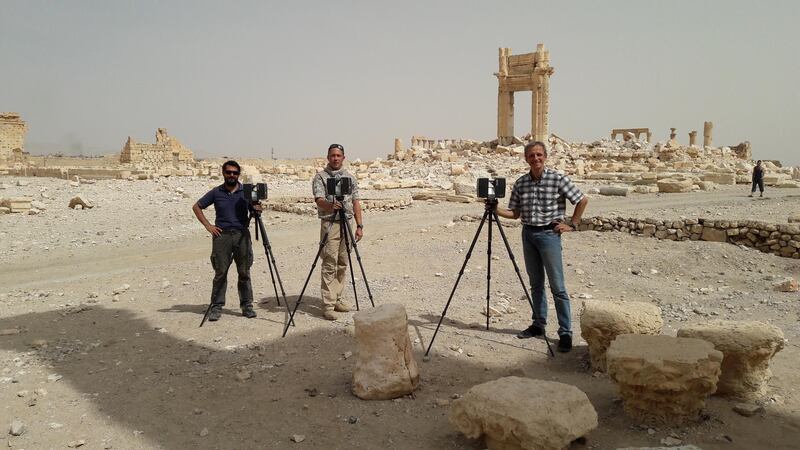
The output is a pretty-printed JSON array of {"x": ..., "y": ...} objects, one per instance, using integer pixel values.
[{"x": 538, "y": 198}]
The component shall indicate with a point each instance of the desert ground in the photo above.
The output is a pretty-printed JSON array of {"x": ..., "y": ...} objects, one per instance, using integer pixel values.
[{"x": 100, "y": 344}]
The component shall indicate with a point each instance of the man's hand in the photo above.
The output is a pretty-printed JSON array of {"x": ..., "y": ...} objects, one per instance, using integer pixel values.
[
  {"x": 563, "y": 228},
  {"x": 214, "y": 230},
  {"x": 257, "y": 207},
  {"x": 359, "y": 234},
  {"x": 337, "y": 205}
]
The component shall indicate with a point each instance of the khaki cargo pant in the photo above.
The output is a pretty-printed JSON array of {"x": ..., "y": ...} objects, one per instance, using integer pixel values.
[{"x": 334, "y": 263}]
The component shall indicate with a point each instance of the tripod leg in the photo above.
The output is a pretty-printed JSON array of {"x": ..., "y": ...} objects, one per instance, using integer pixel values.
[
  {"x": 360, "y": 264},
  {"x": 267, "y": 251},
  {"x": 460, "y": 273},
  {"x": 344, "y": 228},
  {"x": 313, "y": 266},
  {"x": 272, "y": 263},
  {"x": 488, "y": 269},
  {"x": 519, "y": 275}
]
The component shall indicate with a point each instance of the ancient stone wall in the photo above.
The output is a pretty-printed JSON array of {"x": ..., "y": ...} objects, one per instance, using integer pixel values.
[
  {"x": 166, "y": 152},
  {"x": 12, "y": 138},
  {"x": 779, "y": 239}
]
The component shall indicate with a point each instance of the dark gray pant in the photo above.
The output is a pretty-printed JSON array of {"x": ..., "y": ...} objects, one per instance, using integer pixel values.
[
  {"x": 760, "y": 184},
  {"x": 232, "y": 245}
]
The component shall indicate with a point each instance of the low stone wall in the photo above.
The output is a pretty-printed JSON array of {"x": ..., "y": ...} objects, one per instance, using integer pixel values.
[
  {"x": 66, "y": 173},
  {"x": 306, "y": 206},
  {"x": 779, "y": 239}
]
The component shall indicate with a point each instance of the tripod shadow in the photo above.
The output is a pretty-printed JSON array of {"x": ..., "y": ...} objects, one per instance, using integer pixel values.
[
  {"x": 434, "y": 319},
  {"x": 198, "y": 309},
  {"x": 480, "y": 333},
  {"x": 310, "y": 305}
]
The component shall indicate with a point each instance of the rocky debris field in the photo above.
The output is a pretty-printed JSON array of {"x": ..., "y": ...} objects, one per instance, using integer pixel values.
[{"x": 100, "y": 345}]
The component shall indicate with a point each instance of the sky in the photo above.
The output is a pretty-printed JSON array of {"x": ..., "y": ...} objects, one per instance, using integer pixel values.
[{"x": 242, "y": 78}]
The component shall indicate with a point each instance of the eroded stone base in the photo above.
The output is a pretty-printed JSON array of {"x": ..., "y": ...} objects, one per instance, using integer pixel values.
[
  {"x": 522, "y": 413},
  {"x": 663, "y": 379}
]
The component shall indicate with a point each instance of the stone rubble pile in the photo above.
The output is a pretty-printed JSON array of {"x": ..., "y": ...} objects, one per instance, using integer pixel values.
[{"x": 647, "y": 167}]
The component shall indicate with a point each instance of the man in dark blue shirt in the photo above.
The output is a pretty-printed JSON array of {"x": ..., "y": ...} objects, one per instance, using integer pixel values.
[{"x": 230, "y": 239}]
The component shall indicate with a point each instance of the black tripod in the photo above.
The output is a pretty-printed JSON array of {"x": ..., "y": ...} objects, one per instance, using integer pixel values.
[
  {"x": 270, "y": 263},
  {"x": 491, "y": 214},
  {"x": 347, "y": 233}
]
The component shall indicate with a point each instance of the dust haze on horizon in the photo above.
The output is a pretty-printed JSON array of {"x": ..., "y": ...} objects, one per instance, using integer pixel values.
[{"x": 245, "y": 77}]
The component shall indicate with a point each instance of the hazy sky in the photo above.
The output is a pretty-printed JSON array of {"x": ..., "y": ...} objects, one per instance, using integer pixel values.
[{"x": 237, "y": 78}]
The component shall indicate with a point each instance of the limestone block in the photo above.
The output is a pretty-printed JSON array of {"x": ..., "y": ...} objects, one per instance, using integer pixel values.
[
  {"x": 788, "y": 285},
  {"x": 663, "y": 379},
  {"x": 81, "y": 200},
  {"x": 385, "y": 367},
  {"x": 720, "y": 177},
  {"x": 671, "y": 185},
  {"x": 522, "y": 413},
  {"x": 714, "y": 234},
  {"x": 603, "y": 320},
  {"x": 774, "y": 179},
  {"x": 619, "y": 191},
  {"x": 747, "y": 349},
  {"x": 18, "y": 204}
]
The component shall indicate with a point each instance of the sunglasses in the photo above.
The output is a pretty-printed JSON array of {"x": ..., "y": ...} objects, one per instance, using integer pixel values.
[{"x": 231, "y": 172}]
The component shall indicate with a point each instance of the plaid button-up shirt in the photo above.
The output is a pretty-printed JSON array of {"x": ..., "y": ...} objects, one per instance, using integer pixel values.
[{"x": 541, "y": 202}]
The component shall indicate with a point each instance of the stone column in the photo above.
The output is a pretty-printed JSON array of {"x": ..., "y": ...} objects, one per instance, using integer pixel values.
[
  {"x": 692, "y": 138},
  {"x": 385, "y": 367},
  {"x": 398, "y": 146},
  {"x": 541, "y": 107},
  {"x": 505, "y": 101},
  {"x": 707, "y": 129},
  {"x": 505, "y": 116}
]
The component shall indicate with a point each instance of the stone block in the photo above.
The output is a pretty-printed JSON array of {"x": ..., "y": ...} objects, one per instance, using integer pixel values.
[
  {"x": 618, "y": 191},
  {"x": 385, "y": 366},
  {"x": 603, "y": 320},
  {"x": 522, "y": 413},
  {"x": 747, "y": 349},
  {"x": 18, "y": 204},
  {"x": 714, "y": 234},
  {"x": 663, "y": 379},
  {"x": 789, "y": 284},
  {"x": 671, "y": 185},
  {"x": 82, "y": 201},
  {"x": 720, "y": 177}
]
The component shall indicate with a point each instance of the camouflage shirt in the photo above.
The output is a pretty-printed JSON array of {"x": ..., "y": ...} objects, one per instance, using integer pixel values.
[{"x": 318, "y": 186}]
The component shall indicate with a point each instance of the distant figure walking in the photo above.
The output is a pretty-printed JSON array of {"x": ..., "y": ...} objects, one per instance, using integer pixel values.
[{"x": 758, "y": 179}]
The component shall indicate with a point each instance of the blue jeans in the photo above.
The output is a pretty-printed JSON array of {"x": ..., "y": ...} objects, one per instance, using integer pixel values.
[{"x": 542, "y": 250}]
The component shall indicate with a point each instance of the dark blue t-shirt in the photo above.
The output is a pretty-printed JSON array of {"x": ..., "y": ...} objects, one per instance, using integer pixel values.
[{"x": 231, "y": 208}]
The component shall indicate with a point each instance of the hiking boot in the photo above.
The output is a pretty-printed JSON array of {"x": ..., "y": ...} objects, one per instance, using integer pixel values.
[
  {"x": 565, "y": 343},
  {"x": 761, "y": 195},
  {"x": 750, "y": 195},
  {"x": 341, "y": 307},
  {"x": 214, "y": 314},
  {"x": 531, "y": 331},
  {"x": 329, "y": 314},
  {"x": 248, "y": 312}
]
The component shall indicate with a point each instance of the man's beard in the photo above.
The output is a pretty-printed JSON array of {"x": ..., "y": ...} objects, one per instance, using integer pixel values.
[{"x": 230, "y": 181}]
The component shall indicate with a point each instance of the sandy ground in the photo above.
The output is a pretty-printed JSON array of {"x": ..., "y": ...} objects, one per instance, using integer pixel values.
[{"x": 133, "y": 369}]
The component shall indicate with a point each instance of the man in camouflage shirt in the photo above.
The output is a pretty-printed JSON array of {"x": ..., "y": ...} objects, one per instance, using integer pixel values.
[{"x": 334, "y": 253}]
